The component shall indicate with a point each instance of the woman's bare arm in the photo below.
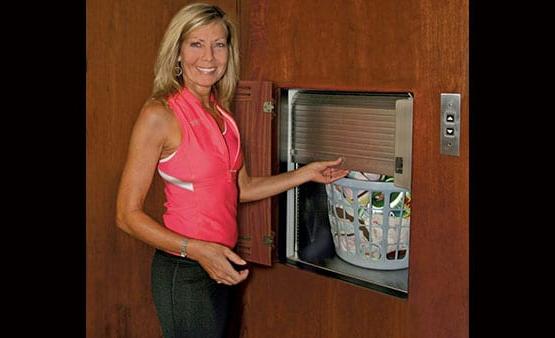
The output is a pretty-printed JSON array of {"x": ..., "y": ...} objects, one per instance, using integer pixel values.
[{"x": 256, "y": 188}]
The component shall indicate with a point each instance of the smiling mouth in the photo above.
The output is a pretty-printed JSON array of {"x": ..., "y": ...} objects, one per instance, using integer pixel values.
[{"x": 203, "y": 70}]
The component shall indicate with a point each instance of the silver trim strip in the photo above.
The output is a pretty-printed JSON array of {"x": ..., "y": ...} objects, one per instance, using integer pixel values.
[{"x": 175, "y": 181}]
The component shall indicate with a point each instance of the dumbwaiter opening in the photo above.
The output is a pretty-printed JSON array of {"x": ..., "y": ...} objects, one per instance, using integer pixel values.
[{"x": 358, "y": 228}]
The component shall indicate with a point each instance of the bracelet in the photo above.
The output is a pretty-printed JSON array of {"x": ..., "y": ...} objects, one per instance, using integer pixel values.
[{"x": 183, "y": 249}]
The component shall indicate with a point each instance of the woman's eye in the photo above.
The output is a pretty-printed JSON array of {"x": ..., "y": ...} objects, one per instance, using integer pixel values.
[
  {"x": 221, "y": 45},
  {"x": 195, "y": 44}
]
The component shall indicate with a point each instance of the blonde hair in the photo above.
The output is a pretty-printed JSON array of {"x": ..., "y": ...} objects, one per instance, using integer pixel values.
[{"x": 190, "y": 17}]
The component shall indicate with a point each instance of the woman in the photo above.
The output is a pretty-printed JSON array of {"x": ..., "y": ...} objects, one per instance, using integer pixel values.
[{"x": 186, "y": 134}]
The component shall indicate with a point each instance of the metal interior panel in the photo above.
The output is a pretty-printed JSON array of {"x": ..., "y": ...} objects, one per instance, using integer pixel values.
[
  {"x": 360, "y": 127},
  {"x": 403, "y": 144}
]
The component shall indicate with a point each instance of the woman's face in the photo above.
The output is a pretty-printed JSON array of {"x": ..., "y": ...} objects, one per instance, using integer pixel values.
[{"x": 204, "y": 56}]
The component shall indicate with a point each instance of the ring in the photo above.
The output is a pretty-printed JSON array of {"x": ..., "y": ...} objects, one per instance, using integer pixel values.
[{"x": 219, "y": 282}]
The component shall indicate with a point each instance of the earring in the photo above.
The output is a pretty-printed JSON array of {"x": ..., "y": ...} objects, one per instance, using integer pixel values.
[{"x": 178, "y": 70}]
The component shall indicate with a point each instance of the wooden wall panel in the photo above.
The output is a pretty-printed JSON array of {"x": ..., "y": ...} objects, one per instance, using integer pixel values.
[
  {"x": 122, "y": 41},
  {"x": 284, "y": 301},
  {"x": 386, "y": 45},
  {"x": 439, "y": 279},
  {"x": 367, "y": 44}
]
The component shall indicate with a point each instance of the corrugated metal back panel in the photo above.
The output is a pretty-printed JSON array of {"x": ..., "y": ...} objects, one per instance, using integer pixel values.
[{"x": 357, "y": 127}]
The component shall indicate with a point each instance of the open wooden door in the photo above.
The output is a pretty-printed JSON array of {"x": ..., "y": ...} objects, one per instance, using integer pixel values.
[{"x": 253, "y": 113}]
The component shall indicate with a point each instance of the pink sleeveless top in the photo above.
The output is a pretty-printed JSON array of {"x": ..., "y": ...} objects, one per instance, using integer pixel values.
[{"x": 201, "y": 175}]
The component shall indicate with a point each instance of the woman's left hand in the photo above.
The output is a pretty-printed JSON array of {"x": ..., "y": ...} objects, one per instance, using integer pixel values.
[{"x": 325, "y": 171}]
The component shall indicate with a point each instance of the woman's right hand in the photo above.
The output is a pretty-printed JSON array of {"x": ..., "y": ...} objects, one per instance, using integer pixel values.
[{"x": 214, "y": 258}]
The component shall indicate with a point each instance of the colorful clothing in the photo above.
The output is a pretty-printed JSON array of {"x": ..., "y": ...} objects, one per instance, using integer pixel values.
[{"x": 201, "y": 175}]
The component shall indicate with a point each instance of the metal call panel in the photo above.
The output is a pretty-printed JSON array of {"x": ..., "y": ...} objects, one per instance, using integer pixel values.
[{"x": 450, "y": 131}]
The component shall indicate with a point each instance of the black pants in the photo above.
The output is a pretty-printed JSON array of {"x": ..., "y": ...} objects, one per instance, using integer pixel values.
[{"x": 188, "y": 302}]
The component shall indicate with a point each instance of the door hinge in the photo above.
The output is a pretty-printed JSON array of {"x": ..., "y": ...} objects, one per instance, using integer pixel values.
[
  {"x": 244, "y": 237},
  {"x": 268, "y": 107},
  {"x": 268, "y": 239}
]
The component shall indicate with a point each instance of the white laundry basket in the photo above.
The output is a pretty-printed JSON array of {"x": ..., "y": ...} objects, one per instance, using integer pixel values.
[{"x": 369, "y": 222}]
